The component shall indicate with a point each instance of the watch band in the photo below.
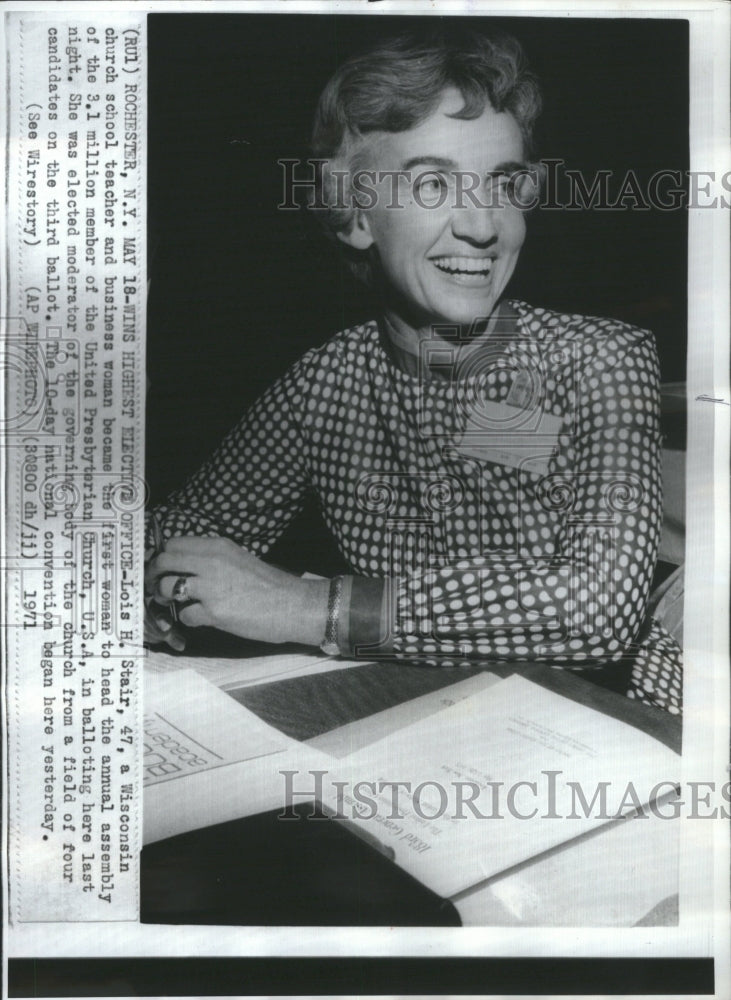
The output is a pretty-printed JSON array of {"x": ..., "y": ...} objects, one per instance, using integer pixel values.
[{"x": 329, "y": 642}]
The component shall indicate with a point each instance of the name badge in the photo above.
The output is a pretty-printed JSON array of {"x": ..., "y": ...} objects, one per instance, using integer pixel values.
[{"x": 512, "y": 436}]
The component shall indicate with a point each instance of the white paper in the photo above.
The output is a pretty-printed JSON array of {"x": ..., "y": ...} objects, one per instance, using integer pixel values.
[
  {"x": 230, "y": 674},
  {"x": 208, "y": 759},
  {"x": 631, "y": 866},
  {"x": 356, "y": 735},
  {"x": 512, "y": 733},
  {"x": 189, "y": 727}
]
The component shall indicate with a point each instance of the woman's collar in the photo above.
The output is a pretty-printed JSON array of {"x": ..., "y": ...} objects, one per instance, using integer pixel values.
[{"x": 410, "y": 357}]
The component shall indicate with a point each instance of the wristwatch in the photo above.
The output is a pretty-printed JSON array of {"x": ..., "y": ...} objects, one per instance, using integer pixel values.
[{"x": 329, "y": 644}]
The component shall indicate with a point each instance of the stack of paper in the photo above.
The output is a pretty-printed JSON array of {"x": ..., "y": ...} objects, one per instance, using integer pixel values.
[
  {"x": 485, "y": 775},
  {"x": 493, "y": 780}
]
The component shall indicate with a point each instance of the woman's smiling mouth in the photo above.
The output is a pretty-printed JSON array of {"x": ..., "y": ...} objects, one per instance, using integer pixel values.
[{"x": 470, "y": 270}]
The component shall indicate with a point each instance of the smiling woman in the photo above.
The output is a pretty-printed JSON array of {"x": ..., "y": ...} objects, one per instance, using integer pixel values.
[
  {"x": 490, "y": 471},
  {"x": 445, "y": 258}
]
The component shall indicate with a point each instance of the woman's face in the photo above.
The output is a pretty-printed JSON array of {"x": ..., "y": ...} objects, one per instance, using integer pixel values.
[{"x": 447, "y": 236}]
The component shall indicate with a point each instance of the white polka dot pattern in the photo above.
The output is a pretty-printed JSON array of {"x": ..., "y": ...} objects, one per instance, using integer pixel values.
[{"x": 490, "y": 561}]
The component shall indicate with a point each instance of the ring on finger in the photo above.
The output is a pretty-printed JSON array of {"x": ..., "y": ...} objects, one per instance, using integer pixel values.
[{"x": 180, "y": 590}]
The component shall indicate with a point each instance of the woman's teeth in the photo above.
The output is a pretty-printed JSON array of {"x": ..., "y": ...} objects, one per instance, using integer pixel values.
[{"x": 463, "y": 265}]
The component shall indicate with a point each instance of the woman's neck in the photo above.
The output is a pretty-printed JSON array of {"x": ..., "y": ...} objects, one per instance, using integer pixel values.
[{"x": 407, "y": 337}]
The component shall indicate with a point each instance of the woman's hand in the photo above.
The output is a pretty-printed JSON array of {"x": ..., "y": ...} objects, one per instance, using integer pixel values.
[
  {"x": 160, "y": 626},
  {"x": 159, "y": 622},
  {"x": 215, "y": 582}
]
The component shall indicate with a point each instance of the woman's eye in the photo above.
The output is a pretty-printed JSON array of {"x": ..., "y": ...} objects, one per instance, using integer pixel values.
[
  {"x": 430, "y": 188},
  {"x": 433, "y": 184},
  {"x": 517, "y": 190},
  {"x": 499, "y": 188}
]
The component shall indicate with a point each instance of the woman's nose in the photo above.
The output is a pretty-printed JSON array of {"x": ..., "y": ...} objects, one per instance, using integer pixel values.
[{"x": 474, "y": 222}]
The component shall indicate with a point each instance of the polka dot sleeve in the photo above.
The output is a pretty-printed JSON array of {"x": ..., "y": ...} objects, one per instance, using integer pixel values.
[
  {"x": 575, "y": 586},
  {"x": 255, "y": 482}
]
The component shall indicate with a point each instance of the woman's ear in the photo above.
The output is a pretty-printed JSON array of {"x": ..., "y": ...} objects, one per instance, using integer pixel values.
[{"x": 358, "y": 236}]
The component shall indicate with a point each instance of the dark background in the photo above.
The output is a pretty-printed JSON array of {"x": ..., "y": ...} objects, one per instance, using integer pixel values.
[{"x": 240, "y": 289}]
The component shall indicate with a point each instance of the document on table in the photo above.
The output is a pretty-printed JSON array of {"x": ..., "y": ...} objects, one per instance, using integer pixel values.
[
  {"x": 229, "y": 674},
  {"x": 354, "y": 736},
  {"x": 493, "y": 780},
  {"x": 208, "y": 759},
  {"x": 612, "y": 879}
]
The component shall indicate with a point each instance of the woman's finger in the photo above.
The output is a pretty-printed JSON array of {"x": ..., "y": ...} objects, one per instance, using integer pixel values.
[
  {"x": 173, "y": 562},
  {"x": 175, "y": 639},
  {"x": 189, "y": 545},
  {"x": 193, "y": 615},
  {"x": 178, "y": 587},
  {"x": 160, "y": 629}
]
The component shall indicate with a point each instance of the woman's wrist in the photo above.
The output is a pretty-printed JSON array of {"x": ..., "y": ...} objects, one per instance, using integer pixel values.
[
  {"x": 308, "y": 611},
  {"x": 358, "y": 614}
]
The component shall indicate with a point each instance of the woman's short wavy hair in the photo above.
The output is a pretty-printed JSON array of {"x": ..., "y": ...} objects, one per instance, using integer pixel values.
[{"x": 398, "y": 83}]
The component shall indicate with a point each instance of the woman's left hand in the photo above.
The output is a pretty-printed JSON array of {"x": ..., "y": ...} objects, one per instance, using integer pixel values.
[{"x": 216, "y": 582}]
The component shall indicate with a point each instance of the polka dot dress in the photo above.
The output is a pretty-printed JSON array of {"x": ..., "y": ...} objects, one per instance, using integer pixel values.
[{"x": 513, "y": 502}]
